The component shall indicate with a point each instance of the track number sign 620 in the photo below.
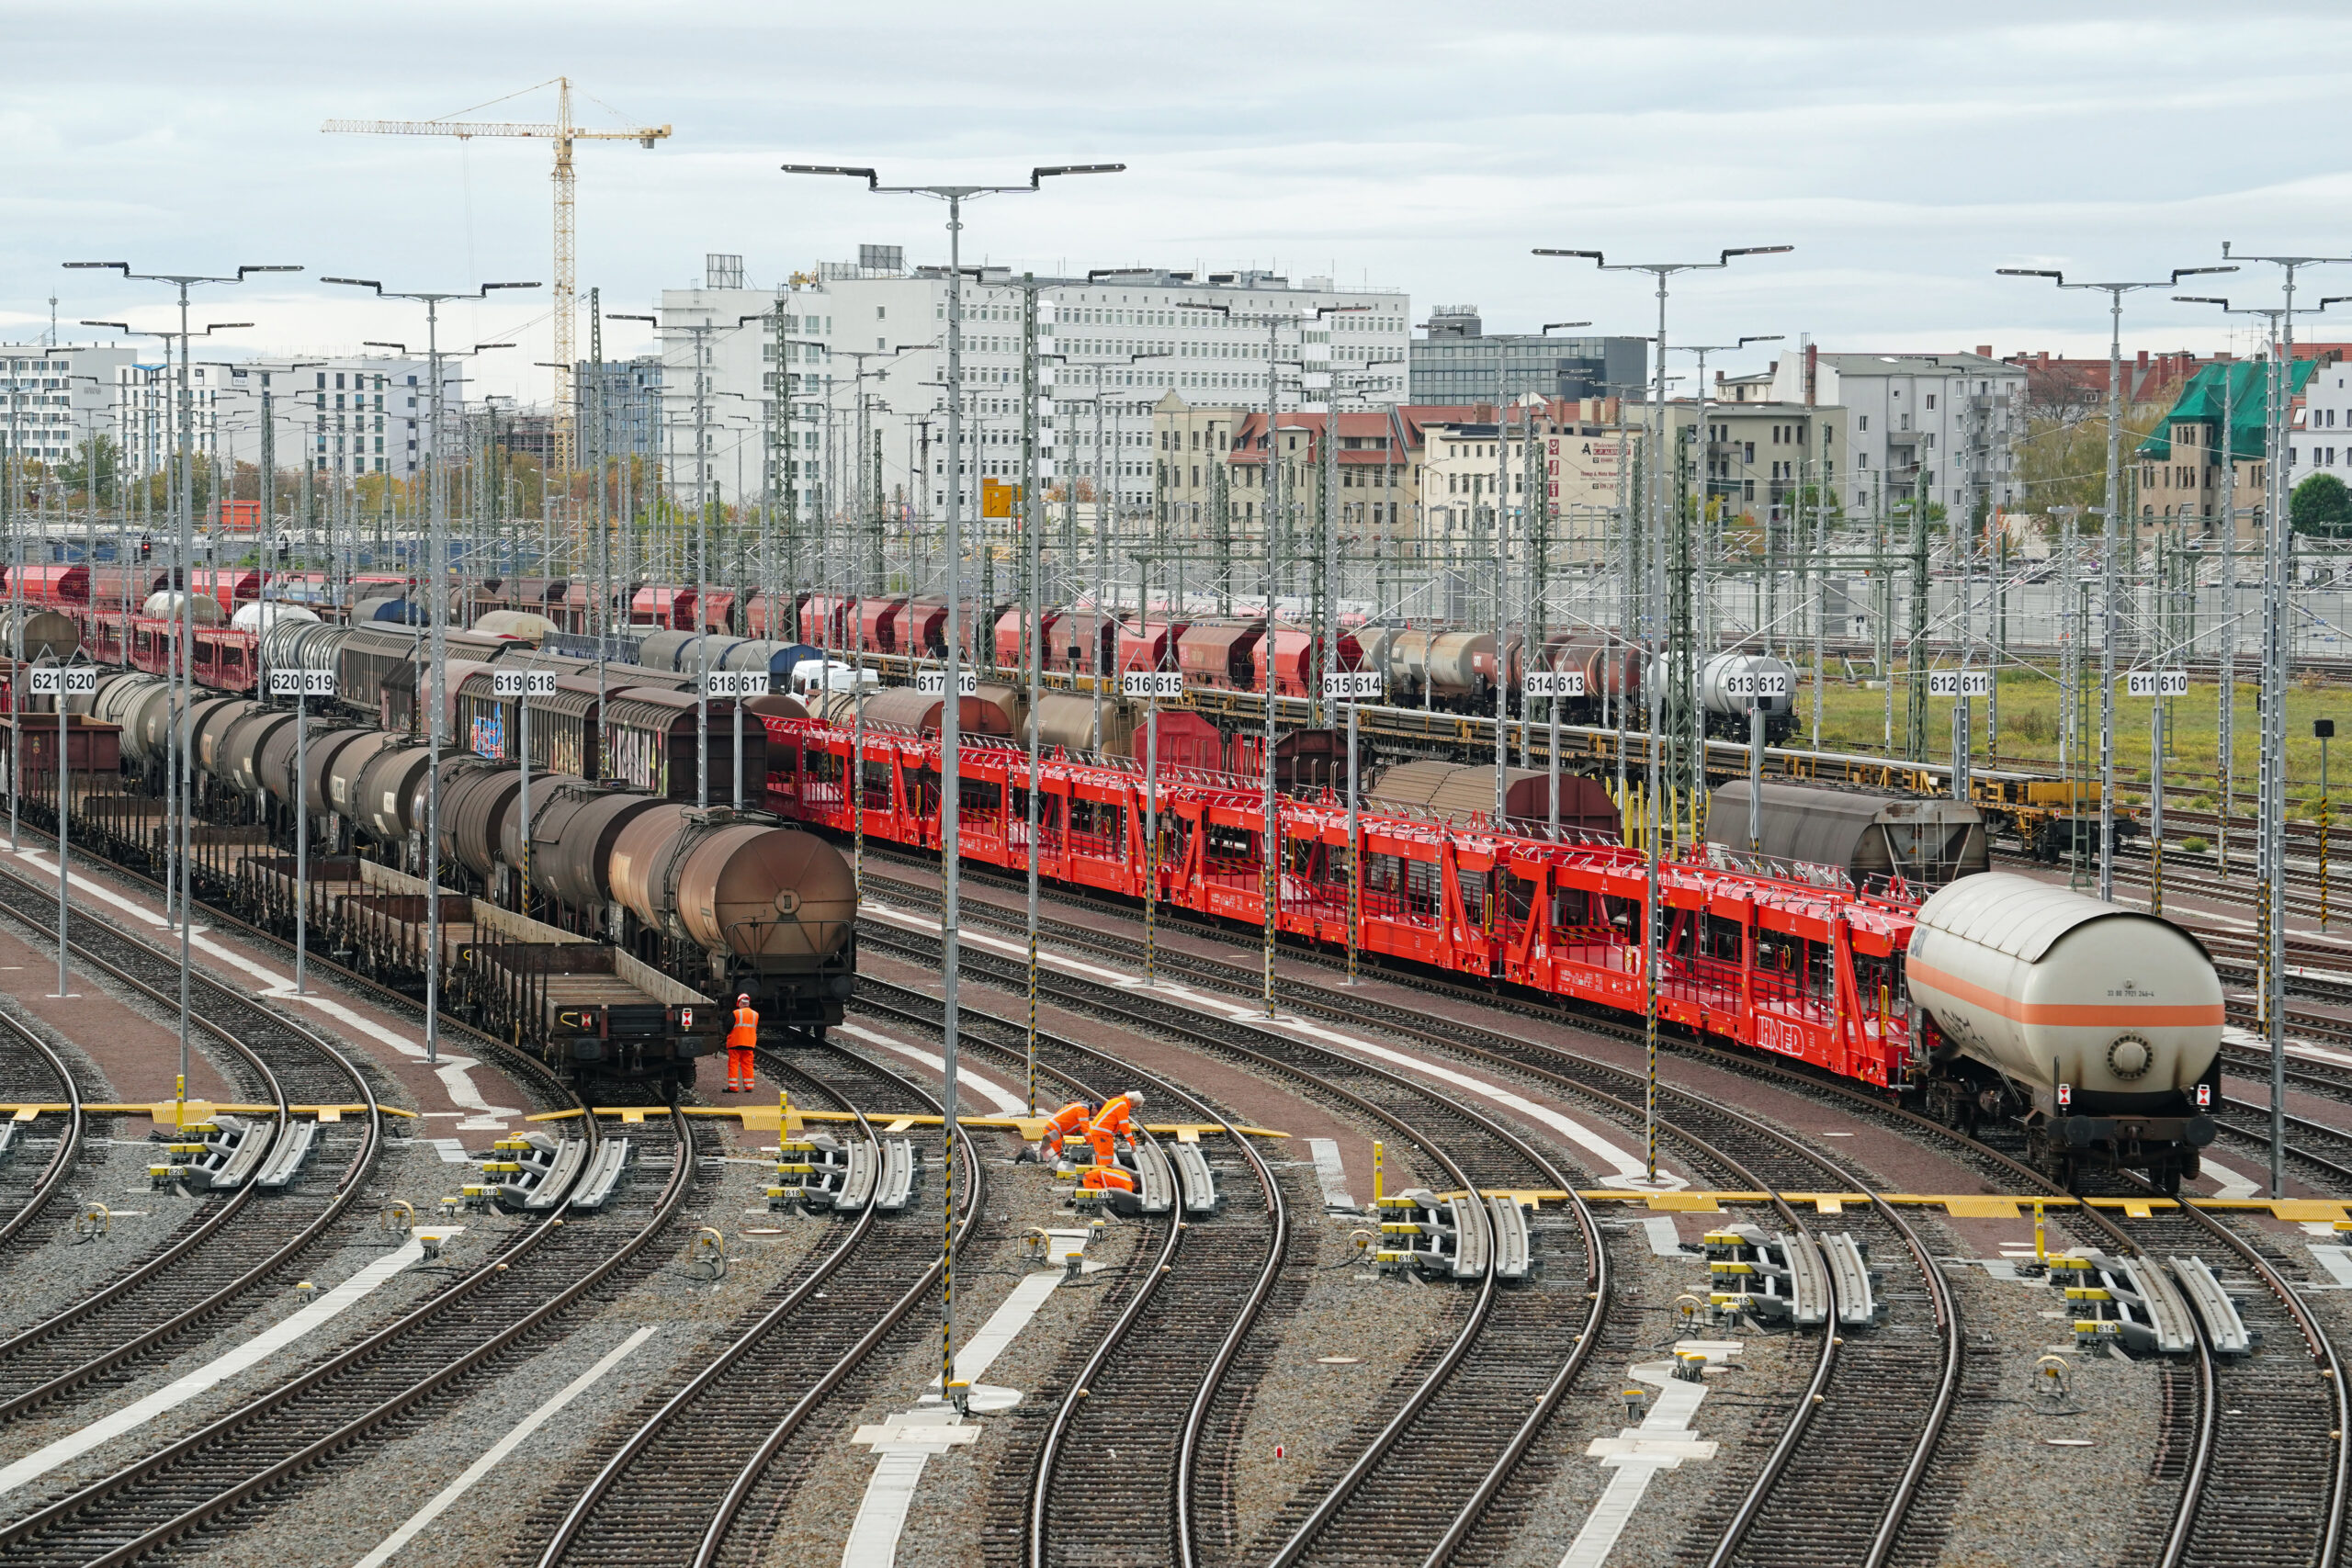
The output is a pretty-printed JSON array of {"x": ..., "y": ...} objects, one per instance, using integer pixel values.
[
  {"x": 1556, "y": 683},
  {"x": 301, "y": 683},
  {"x": 2158, "y": 683},
  {"x": 72, "y": 680},
  {"x": 1960, "y": 682}
]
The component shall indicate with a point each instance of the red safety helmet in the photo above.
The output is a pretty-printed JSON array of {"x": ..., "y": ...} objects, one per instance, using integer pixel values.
[{"x": 743, "y": 1000}]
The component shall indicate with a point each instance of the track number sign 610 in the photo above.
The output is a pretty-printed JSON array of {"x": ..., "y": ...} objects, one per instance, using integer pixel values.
[
  {"x": 1152, "y": 684},
  {"x": 933, "y": 683},
  {"x": 301, "y": 683},
  {"x": 1960, "y": 682},
  {"x": 1352, "y": 684},
  {"x": 522, "y": 682},
  {"x": 72, "y": 680},
  {"x": 1556, "y": 683},
  {"x": 2158, "y": 683}
]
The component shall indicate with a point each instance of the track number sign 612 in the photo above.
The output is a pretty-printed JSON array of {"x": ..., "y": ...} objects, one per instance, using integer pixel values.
[
  {"x": 1556, "y": 683},
  {"x": 1152, "y": 684},
  {"x": 301, "y": 683},
  {"x": 933, "y": 683},
  {"x": 2158, "y": 683},
  {"x": 72, "y": 680},
  {"x": 522, "y": 682},
  {"x": 1352, "y": 684},
  {"x": 1960, "y": 682},
  {"x": 1757, "y": 684}
]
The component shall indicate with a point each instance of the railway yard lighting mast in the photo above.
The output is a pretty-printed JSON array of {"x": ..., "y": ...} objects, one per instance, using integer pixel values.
[
  {"x": 2109, "y": 533},
  {"x": 183, "y": 438},
  {"x": 437, "y": 607},
  {"x": 950, "y": 737},
  {"x": 1655, "y": 505}
]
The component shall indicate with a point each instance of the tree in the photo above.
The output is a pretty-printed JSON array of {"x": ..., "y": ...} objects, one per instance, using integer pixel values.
[
  {"x": 74, "y": 474},
  {"x": 2322, "y": 505}
]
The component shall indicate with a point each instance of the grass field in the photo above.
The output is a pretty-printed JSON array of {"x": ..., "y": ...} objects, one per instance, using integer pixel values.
[{"x": 1853, "y": 719}]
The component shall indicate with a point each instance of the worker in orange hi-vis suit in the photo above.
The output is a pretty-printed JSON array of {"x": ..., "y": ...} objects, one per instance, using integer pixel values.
[
  {"x": 1114, "y": 1122},
  {"x": 1070, "y": 1119},
  {"x": 1118, "y": 1115},
  {"x": 739, "y": 1040}
]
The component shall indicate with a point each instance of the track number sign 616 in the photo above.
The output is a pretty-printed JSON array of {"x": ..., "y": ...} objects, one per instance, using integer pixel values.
[
  {"x": 1960, "y": 682},
  {"x": 1556, "y": 683},
  {"x": 1352, "y": 684},
  {"x": 301, "y": 683},
  {"x": 2158, "y": 683},
  {"x": 522, "y": 682},
  {"x": 1152, "y": 684},
  {"x": 72, "y": 680},
  {"x": 933, "y": 683}
]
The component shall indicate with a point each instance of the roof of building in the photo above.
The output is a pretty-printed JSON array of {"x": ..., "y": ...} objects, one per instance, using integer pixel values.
[
  {"x": 2238, "y": 388},
  {"x": 1902, "y": 364}
]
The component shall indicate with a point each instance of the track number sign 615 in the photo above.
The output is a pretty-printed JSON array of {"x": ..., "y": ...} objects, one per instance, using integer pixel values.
[
  {"x": 1960, "y": 682},
  {"x": 1352, "y": 684},
  {"x": 1152, "y": 684},
  {"x": 72, "y": 680},
  {"x": 301, "y": 683},
  {"x": 2158, "y": 683},
  {"x": 933, "y": 683},
  {"x": 522, "y": 682},
  {"x": 1556, "y": 683}
]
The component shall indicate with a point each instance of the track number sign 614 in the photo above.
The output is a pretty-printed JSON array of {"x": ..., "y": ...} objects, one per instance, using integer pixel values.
[
  {"x": 1352, "y": 684},
  {"x": 1556, "y": 683},
  {"x": 2158, "y": 683},
  {"x": 301, "y": 683},
  {"x": 72, "y": 680},
  {"x": 933, "y": 683},
  {"x": 1960, "y": 682},
  {"x": 522, "y": 682}
]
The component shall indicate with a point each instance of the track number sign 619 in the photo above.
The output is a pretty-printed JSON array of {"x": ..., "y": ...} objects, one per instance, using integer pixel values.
[
  {"x": 301, "y": 683},
  {"x": 2158, "y": 683},
  {"x": 522, "y": 682},
  {"x": 1152, "y": 684},
  {"x": 72, "y": 680},
  {"x": 1554, "y": 684},
  {"x": 1960, "y": 682},
  {"x": 933, "y": 683}
]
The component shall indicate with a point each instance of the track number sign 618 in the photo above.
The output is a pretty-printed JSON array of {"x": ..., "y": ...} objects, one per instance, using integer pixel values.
[
  {"x": 1352, "y": 684},
  {"x": 2158, "y": 683},
  {"x": 735, "y": 684},
  {"x": 72, "y": 680},
  {"x": 1554, "y": 684},
  {"x": 933, "y": 683},
  {"x": 522, "y": 682},
  {"x": 1152, "y": 684},
  {"x": 301, "y": 683},
  {"x": 1960, "y": 682}
]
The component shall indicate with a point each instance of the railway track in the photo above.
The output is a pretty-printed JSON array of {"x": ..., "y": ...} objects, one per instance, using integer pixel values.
[
  {"x": 675, "y": 1488},
  {"x": 233, "y": 1244},
  {"x": 31, "y": 1070}
]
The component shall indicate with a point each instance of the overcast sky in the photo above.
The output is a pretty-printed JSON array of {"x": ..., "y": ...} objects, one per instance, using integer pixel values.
[{"x": 1425, "y": 147}]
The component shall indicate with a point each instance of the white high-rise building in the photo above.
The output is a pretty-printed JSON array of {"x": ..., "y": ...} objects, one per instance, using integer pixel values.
[
  {"x": 865, "y": 360},
  {"x": 338, "y": 414},
  {"x": 52, "y": 398}
]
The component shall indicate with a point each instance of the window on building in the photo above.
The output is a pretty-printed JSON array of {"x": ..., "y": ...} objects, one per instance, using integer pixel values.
[{"x": 1865, "y": 424}]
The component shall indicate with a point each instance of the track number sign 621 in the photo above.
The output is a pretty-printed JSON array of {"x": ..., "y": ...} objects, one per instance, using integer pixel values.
[
  {"x": 1554, "y": 684},
  {"x": 301, "y": 683},
  {"x": 933, "y": 683},
  {"x": 1152, "y": 684},
  {"x": 522, "y": 682},
  {"x": 72, "y": 680},
  {"x": 2158, "y": 683},
  {"x": 1960, "y": 682}
]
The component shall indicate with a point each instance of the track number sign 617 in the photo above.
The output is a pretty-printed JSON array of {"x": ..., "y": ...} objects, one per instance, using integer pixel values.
[
  {"x": 735, "y": 684},
  {"x": 301, "y": 683},
  {"x": 1960, "y": 682},
  {"x": 1152, "y": 684},
  {"x": 2158, "y": 683},
  {"x": 522, "y": 682},
  {"x": 1554, "y": 684},
  {"x": 72, "y": 680},
  {"x": 933, "y": 683}
]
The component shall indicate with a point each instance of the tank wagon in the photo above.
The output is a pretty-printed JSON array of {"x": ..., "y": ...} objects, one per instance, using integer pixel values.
[
  {"x": 2095, "y": 1028},
  {"x": 1879, "y": 841},
  {"x": 1725, "y": 685}
]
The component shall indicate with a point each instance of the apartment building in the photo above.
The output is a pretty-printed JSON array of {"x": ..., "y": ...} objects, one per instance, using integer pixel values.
[
  {"x": 2177, "y": 471},
  {"x": 1457, "y": 362},
  {"x": 1948, "y": 421},
  {"x": 52, "y": 397}
]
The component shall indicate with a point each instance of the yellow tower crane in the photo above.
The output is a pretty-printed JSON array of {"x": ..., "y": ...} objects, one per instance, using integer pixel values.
[{"x": 563, "y": 133}]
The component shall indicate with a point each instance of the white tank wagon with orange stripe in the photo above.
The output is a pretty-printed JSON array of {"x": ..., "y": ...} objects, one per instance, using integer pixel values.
[{"x": 2095, "y": 1028}]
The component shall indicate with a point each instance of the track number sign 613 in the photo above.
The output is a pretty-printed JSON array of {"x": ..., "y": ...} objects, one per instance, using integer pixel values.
[
  {"x": 1152, "y": 684},
  {"x": 933, "y": 683},
  {"x": 1554, "y": 684},
  {"x": 1757, "y": 684},
  {"x": 522, "y": 682},
  {"x": 72, "y": 680},
  {"x": 2158, "y": 683},
  {"x": 1960, "y": 682},
  {"x": 301, "y": 683}
]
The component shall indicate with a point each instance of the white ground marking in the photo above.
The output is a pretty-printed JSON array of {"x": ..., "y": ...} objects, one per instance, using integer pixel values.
[
  {"x": 313, "y": 1316},
  {"x": 1662, "y": 1441},
  {"x": 409, "y": 1531},
  {"x": 1330, "y": 1173},
  {"x": 1007, "y": 1103},
  {"x": 2228, "y": 1183}
]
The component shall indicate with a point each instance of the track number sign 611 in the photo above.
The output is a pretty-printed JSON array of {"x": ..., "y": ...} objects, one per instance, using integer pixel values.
[
  {"x": 735, "y": 684},
  {"x": 933, "y": 683},
  {"x": 1554, "y": 684},
  {"x": 1960, "y": 682},
  {"x": 522, "y": 682},
  {"x": 301, "y": 683},
  {"x": 2158, "y": 683},
  {"x": 1152, "y": 684},
  {"x": 1352, "y": 684},
  {"x": 72, "y": 680}
]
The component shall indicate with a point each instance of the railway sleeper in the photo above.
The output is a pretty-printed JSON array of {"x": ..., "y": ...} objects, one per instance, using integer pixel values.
[
  {"x": 2130, "y": 1303},
  {"x": 1780, "y": 1277},
  {"x": 1446, "y": 1238},
  {"x": 222, "y": 1159}
]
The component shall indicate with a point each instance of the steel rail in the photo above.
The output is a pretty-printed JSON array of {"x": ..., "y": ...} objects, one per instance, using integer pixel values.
[{"x": 69, "y": 1141}]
